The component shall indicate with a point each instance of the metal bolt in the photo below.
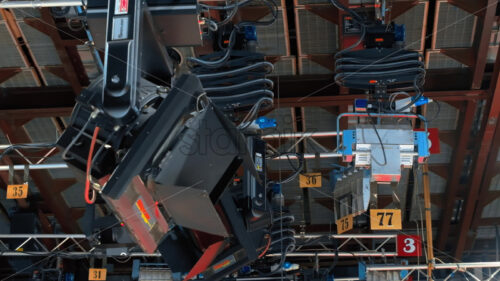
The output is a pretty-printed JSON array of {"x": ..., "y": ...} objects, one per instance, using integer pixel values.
[{"x": 115, "y": 79}]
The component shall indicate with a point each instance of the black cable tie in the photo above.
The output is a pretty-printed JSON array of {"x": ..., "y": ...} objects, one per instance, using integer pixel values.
[
  {"x": 26, "y": 173},
  {"x": 11, "y": 174}
]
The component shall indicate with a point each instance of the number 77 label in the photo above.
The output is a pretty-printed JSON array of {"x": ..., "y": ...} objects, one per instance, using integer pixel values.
[{"x": 385, "y": 219}]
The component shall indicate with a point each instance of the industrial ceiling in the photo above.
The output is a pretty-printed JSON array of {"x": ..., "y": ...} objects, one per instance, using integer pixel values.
[{"x": 46, "y": 62}]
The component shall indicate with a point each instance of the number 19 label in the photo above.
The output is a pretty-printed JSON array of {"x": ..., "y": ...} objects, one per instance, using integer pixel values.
[{"x": 385, "y": 219}]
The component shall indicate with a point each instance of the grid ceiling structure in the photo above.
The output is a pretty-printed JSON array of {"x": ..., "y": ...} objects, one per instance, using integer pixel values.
[{"x": 43, "y": 69}]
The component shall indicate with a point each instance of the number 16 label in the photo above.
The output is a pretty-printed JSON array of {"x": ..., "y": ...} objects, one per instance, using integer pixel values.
[{"x": 385, "y": 219}]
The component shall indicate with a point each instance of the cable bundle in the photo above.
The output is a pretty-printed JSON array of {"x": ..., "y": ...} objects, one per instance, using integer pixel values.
[
  {"x": 389, "y": 68},
  {"x": 236, "y": 80},
  {"x": 282, "y": 239},
  {"x": 393, "y": 68},
  {"x": 282, "y": 234},
  {"x": 231, "y": 10},
  {"x": 237, "y": 83}
]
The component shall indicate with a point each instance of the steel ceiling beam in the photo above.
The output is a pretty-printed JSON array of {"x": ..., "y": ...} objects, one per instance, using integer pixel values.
[
  {"x": 472, "y": 7},
  {"x": 479, "y": 195},
  {"x": 22, "y": 47},
  {"x": 75, "y": 72},
  {"x": 398, "y": 8},
  {"x": 7, "y": 73},
  {"x": 477, "y": 182},
  {"x": 484, "y": 41},
  {"x": 335, "y": 100},
  {"x": 326, "y": 11},
  {"x": 487, "y": 196},
  {"x": 465, "y": 56},
  {"x": 465, "y": 122},
  {"x": 33, "y": 102}
]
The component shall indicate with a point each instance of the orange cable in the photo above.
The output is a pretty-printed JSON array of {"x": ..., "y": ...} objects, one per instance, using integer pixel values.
[
  {"x": 267, "y": 247},
  {"x": 89, "y": 165}
]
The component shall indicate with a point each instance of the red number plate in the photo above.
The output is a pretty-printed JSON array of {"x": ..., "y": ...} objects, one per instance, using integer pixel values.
[{"x": 409, "y": 246}]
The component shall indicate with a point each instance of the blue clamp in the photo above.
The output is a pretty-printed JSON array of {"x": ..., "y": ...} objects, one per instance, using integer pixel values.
[
  {"x": 277, "y": 188},
  {"x": 246, "y": 269},
  {"x": 348, "y": 139},
  {"x": 69, "y": 276},
  {"x": 360, "y": 105},
  {"x": 265, "y": 122},
  {"x": 422, "y": 101},
  {"x": 362, "y": 271},
  {"x": 250, "y": 33},
  {"x": 400, "y": 32},
  {"x": 422, "y": 143}
]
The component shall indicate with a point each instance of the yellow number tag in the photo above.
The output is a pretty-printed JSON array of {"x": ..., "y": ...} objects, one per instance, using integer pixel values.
[
  {"x": 385, "y": 219},
  {"x": 17, "y": 191},
  {"x": 310, "y": 180},
  {"x": 345, "y": 224},
  {"x": 97, "y": 274}
]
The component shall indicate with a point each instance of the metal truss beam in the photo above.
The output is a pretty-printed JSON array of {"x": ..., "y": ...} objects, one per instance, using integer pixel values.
[{"x": 43, "y": 181}]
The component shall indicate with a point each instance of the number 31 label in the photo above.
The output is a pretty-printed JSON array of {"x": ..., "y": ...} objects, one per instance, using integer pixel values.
[
  {"x": 409, "y": 246},
  {"x": 97, "y": 273}
]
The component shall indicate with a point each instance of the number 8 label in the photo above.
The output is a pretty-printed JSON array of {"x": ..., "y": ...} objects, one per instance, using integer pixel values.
[{"x": 409, "y": 245}]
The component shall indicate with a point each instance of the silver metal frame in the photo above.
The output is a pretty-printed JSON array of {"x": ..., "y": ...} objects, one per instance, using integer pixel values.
[{"x": 40, "y": 3}]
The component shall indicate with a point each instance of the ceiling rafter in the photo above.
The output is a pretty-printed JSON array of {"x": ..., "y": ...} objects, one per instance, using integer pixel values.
[
  {"x": 477, "y": 184},
  {"x": 74, "y": 71},
  {"x": 22, "y": 47},
  {"x": 454, "y": 172}
]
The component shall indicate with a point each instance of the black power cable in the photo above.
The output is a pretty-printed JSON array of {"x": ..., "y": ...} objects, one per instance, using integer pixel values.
[
  {"x": 26, "y": 146},
  {"x": 380, "y": 140}
]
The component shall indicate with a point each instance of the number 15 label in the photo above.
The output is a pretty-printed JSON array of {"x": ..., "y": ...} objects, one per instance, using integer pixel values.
[{"x": 385, "y": 219}]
